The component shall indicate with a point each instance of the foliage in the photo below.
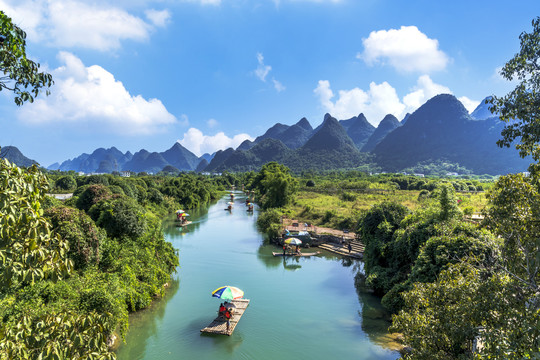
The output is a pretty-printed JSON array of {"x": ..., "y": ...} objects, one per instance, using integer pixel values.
[
  {"x": 274, "y": 185},
  {"x": 514, "y": 214},
  {"x": 448, "y": 202},
  {"x": 58, "y": 336},
  {"x": 80, "y": 231},
  {"x": 29, "y": 251},
  {"x": 67, "y": 183},
  {"x": 18, "y": 73},
  {"x": 91, "y": 195},
  {"x": 442, "y": 320},
  {"x": 519, "y": 108},
  {"x": 121, "y": 217},
  {"x": 269, "y": 223}
]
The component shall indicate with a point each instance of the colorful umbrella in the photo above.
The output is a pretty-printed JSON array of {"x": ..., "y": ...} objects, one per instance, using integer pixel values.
[
  {"x": 228, "y": 293},
  {"x": 185, "y": 214},
  {"x": 180, "y": 211},
  {"x": 293, "y": 241}
]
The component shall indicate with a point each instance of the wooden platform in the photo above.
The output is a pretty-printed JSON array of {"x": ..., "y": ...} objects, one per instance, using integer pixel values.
[
  {"x": 219, "y": 326},
  {"x": 301, "y": 254},
  {"x": 357, "y": 251}
]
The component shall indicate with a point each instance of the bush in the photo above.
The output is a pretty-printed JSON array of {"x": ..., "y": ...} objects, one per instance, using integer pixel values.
[{"x": 67, "y": 183}]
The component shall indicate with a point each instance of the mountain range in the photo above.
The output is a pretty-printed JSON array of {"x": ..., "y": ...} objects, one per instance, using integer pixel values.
[{"x": 440, "y": 130}]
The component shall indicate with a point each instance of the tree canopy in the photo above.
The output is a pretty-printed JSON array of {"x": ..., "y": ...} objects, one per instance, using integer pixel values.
[
  {"x": 18, "y": 73},
  {"x": 520, "y": 108}
]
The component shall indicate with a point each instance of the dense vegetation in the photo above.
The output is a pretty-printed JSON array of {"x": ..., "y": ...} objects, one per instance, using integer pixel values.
[{"x": 71, "y": 272}]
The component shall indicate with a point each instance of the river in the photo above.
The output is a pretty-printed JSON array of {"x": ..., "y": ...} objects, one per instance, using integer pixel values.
[{"x": 304, "y": 308}]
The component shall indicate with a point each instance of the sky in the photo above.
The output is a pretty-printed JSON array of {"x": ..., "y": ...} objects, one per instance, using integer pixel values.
[{"x": 210, "y": 74}]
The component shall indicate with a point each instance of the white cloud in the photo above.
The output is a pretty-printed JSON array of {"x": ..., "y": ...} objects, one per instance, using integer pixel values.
[
  {"x": 91, "y": 98},
  {"x": 198, "y": 143},
  {"x": 469, "y": 104},
  {"x": 406, "y": 49},
  {"x": 278, "y": 86},
  {"x": 262, "y": 70},
  {"x": 381, "y": 99},
  {"x": 158, "y": 17},
  {"x": 73, "y": 23},
  {"x": 424, "y": 90},
  {"x": 375, "y": 103}
]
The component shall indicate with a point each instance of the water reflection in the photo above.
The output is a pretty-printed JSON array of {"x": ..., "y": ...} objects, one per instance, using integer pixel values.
[
  {"x": 145, "y": 322},
  {"x": 375, "y": 318}
]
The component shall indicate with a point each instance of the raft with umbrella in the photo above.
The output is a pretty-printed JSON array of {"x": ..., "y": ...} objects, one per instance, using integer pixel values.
[{"x": 234, "y": 297}]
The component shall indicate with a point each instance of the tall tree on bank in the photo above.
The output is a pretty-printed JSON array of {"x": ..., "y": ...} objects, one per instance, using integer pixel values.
[
  {"x": 520, "y": 108},
  {"x": 18, "y": 73},
  {"x": 274, "y": 185}
]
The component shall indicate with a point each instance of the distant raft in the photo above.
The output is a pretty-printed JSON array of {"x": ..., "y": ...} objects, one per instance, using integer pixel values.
[
  {"x": 294, "y": 254},
  {"x": 219, "y": 326}
]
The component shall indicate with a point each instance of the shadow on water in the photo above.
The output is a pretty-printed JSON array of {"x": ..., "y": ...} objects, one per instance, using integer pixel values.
[
  {"x": 145, "y": 321},
  {"x": 375, "y": 318}
]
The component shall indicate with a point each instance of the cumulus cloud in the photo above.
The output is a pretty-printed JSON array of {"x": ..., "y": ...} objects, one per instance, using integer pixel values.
[
  {"x": 90, "y": 97},
  {"x": 381, "y": 99},
  {"x": 406, "y": 49},
  {"x": 72, "y": 23},
  {"x": 198, "y": 143},
  {"x": 375, "y": 103},
  {"x": 469, "y": 104},
  {"x": 158, "y": 17}
]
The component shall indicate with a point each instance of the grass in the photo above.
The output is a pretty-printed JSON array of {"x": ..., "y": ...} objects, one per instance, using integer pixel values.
[{"x": 343, "y": 211}]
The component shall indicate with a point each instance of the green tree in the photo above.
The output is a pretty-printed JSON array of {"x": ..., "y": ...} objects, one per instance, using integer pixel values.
[
  {"x": 28, "y": 250},
  {"x": 66, "y": 183},
  {"x": 18, "y": 73},
  {"x": 275, "y": 185},
  {"x": 519, "y": 108},
  {"x": 448, "y": 202},
  {"x": 514, "y": 215}
]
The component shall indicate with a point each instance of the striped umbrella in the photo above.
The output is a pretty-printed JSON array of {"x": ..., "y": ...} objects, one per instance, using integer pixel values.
[{"x": 228, "y": 293}]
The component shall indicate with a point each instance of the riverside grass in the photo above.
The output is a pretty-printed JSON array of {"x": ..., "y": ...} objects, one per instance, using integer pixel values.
[{"x": 336, "y": 210}]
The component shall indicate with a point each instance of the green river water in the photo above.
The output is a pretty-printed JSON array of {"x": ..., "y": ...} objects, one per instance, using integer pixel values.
[{"x": 304, "y": 308}]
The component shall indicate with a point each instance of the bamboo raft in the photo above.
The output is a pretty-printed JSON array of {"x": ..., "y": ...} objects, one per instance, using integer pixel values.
[
  {"x": 219, "y": 326},
  {"x": 294, "y": 254},
  {"x": 183, "y": 224}
]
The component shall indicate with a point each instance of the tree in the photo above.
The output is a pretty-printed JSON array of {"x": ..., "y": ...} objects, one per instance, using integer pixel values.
[
  {"x": 28, "y": 250},
  {"x": 275, "y": 185},
  {"x": 18, "y": 73},
  {"x": 519, "y": 108}
]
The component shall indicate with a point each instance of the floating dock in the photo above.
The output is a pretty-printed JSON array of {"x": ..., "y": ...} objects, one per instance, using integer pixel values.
[
  {"x": 293, "y": 254},
  {"x": 357, "y": 249},
  {"x": 219, "y": 326}
]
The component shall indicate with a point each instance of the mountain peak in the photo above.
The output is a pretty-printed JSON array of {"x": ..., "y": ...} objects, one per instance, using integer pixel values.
[
  {"x": 304, "y": 124},
  {"x": 482, "y": 111}
]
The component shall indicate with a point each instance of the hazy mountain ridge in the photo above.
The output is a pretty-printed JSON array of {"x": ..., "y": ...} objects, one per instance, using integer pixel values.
[
  {"x": 14, "y": 155},
  {"x": 440, "y": 130}
]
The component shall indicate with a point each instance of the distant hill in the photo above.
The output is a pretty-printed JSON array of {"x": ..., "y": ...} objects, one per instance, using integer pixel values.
[
  {"x": 218, "y": 159},
  {"x": 328, "y": 148},
  {"x": 109, "y": 160},
  {"x": 386, "y": 126},
  {"x": 14, "y": 155},
  {"x": 482, "y": 111},
  {"x": 359, "y": 130},
  {"x": 245, "y": 160},
  {"x": 442, "y": 129},
  {"x": 180, "y": 157}
]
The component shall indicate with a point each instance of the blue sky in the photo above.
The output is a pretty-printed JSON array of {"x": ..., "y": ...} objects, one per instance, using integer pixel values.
[{"x": 211, "y": 73}]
